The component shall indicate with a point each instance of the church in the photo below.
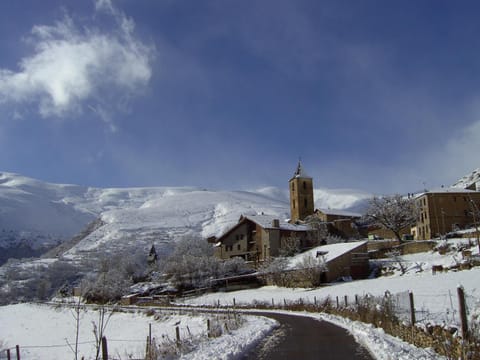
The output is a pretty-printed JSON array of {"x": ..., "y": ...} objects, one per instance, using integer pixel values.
[{"x": 256, "y": 238}]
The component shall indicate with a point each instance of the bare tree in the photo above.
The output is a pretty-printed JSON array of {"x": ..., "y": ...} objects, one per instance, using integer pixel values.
[
  {"x": 318, "y": 233},
  {"x": 394, "y": 213},
  {"x": 290, "y": 245}
]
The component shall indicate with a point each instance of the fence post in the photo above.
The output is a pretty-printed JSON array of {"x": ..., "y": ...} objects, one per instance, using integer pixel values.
[
  {"x": 208, "y": 327},
  {"x": 346, "y": 301},
  {"x": 233, "y": 302},
  {"x": 147, "y": 349},
  {"x": 463, "y": 312},
  {"x": 412, "y": 308},
  {"x": 8, "y": 354},
  {"x": 284, "y": 302},
  {"x": 315, "y": 300},
  {"x": 356, "y": 299},
  {"x": 104, "y": 348},
  {"x": 17, "y": 347},
  {"x": 273, "y": 303},
  {"x": 337, "y": 303},
  {"x": 177, "y": 333}
]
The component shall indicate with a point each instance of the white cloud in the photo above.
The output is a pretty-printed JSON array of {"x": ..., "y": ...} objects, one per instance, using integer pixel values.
[{"x": 71, "y": 64}]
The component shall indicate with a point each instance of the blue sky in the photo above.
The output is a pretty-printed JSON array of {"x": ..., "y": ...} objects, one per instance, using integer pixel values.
[{"x": 380, "y": 96}]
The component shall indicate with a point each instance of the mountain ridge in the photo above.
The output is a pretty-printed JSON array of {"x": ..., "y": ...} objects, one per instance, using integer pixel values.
[{"x": 40, "y": 215}]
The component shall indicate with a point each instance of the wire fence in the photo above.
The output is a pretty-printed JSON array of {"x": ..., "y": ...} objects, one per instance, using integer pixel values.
[{"x": 181, "y": 339}]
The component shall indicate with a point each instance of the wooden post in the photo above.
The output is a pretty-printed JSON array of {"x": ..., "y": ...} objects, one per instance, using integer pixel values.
[
  {"x": 356, "y": 299},
  {"x": 147, "y": 349},
  {"x": 150, "y": 335},
  {"x": 412, "y": 308},
  {"x": 17, "y": 347},
  {"x": 273, "y": 303},
  {"x": 463, "y": 312},
  {"x": 338, "y": 305},
  {"x": 8, "y": 354},
  {"x": 315, "y": 300},
  {"x": 284, "y": 302},
  {"x": 208, "y": 327},
  {"x": 150, "y": 352},
  {"x": 177, "y": 333},
  {"x": 233, "y": 302},
  {"x": 218, "y": 303},
  {"x": 104, "y": 348},
  {"x": 346, "y": 301}
]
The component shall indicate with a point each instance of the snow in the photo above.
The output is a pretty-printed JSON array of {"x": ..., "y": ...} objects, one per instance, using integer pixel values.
[
  {"x": 44, "y": 332},
  {"x": 468, "y": 179},
  {"x": 329, "y": 252},
  {"x": 340, "y": 212},
  {"x": 266, "y": 222}
]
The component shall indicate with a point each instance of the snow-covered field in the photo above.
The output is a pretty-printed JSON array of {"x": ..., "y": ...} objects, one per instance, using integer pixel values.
[{"x": 46, "y": 332}]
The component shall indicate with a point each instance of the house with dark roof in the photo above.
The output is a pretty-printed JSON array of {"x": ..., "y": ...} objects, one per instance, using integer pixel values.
[{"x": 259, "y": 237}]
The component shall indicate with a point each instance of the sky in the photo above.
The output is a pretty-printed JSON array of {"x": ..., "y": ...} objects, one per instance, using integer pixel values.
[{"x": 380, "y": 96}]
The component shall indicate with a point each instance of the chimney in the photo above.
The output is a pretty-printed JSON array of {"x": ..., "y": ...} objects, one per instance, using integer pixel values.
[{"x": 275, "y": 223}]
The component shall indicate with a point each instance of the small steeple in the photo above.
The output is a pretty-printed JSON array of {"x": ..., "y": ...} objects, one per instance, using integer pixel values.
[{"x": 300, "y": 172}]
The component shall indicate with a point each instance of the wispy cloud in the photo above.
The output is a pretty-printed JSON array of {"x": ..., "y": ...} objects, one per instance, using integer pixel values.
[{"x": 71, "y": 64}]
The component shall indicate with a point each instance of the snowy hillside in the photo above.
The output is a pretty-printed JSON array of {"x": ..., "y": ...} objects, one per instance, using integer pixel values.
[
  {"x": 468, "y": 179},
  {"x": 35, "y": 214}
]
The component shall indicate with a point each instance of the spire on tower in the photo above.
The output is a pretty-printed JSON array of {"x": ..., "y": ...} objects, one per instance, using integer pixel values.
[{"x": 300, "y": 172}]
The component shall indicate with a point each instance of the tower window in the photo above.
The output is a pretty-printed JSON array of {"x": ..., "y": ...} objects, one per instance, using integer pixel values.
[
  {"x": 293, "y": 186},
  {"x": 293, "y": 203}
]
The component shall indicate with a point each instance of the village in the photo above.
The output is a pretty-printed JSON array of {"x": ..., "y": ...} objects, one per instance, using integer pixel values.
[
  {"x": 319, "y": 246},
  {"x": 345, "y": 241}
]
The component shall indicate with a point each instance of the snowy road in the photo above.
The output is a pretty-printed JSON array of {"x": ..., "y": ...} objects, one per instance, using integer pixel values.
[{"x": 305, "y": 338}]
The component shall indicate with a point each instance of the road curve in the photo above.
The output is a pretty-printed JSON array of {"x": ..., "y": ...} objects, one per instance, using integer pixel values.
[{"x": 304, "y": 338}]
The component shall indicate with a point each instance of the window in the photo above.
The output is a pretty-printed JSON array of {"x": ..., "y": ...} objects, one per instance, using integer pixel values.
[
  {"x": 239, "y": 247},
  {"x": 293, "y": 186},
  {"x": 241, "y": 236},
  {"x": 228, "y": 247},
  {"x": 293, "y": 203}
]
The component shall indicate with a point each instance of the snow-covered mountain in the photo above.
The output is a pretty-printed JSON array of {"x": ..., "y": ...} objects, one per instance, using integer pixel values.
[
  {"x": 468, "y": 180},
  {"x": 38, "y": 215}
]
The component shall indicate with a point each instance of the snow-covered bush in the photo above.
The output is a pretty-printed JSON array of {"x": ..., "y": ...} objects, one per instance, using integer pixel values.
[
  {"x": 108, "y": 284},
  {"x": 311, "y": 269},
  {"x": 192, "y": 265}
]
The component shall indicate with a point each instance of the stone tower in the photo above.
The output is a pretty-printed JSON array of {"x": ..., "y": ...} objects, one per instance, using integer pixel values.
[{"x": 301, "y": 195}]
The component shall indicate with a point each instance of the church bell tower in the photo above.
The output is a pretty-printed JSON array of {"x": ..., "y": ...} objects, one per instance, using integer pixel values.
[{"x": 301, "y": 195}]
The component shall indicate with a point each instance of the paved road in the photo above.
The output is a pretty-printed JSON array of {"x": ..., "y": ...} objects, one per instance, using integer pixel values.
[{"x": 303, "y": 338}]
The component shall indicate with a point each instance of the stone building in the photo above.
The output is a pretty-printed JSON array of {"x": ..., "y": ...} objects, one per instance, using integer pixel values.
[
  {"x": 259, "y": 237},
  {"x": 446, "y": 210},
  {"x": 339, "y": 222}
]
